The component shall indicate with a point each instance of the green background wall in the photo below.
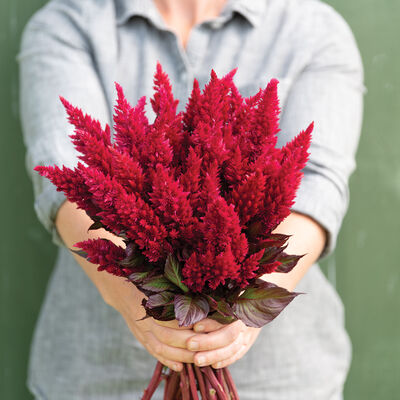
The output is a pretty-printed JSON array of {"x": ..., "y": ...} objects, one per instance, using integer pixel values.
[{"x": 365, "y": 267}]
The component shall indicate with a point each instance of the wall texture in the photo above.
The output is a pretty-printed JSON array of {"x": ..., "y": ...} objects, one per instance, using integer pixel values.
[{"x": 364, "y": 267}]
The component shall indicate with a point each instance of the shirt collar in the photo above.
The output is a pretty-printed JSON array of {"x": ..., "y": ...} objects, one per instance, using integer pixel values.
[{"x": 252, "y": 10}]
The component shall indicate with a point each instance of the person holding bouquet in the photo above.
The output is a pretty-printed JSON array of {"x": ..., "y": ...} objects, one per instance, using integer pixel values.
[{"x": 90, "y": 342}]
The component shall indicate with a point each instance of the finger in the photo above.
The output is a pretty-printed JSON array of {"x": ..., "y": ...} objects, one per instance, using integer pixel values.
[
  {"x": 249, "y": 337},
  {"x": 237, "y": 356},
  {"x": 174, "y": 365},
  {"x": 174, "y": 324},
  {"x": 207, "y": 325},
  {"x": 168, "y": 352},
  {"x": 214, "y": 340},
  {"x": 214, "y": 356},
  {"x": 172, "y": 337}
]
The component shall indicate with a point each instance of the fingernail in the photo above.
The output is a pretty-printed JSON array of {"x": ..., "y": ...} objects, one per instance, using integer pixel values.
[
  {"x": 218, "y": 365},
  {"x": 199, "y": 328},
  {"x": 201, "y": 360},
  {"x": 193, "y": 346},
  {"x": 176, "y": 367}
]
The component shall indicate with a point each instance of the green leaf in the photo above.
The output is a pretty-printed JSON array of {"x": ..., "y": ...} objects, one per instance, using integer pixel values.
[
  {"x": 288, "y": 262},
  {"x": 160, "y": 299},
  {"x": 168, "y": 313},
  {"x": 133, "y": 261},
  {"x": 260, "y": 303},
  {"x": 81, "y": 253},
  {"x": 190, "y": 309},
  {"x": 172, "y": 272},
  {"x": 221, "y": 306},
  {"x": 157, "y": 284},
  {"x": 221, "y": 319}
]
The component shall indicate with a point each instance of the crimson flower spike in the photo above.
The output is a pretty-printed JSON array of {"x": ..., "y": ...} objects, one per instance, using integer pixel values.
[
  {"x": 265, "y": 120},
  {"x": 72, "y": 184},
  {"x": 165, "y": 106},
  {"x": 90, "y": 139},
  {"x": 163, "y": 101},
  {"x": 130, "y": 123}
]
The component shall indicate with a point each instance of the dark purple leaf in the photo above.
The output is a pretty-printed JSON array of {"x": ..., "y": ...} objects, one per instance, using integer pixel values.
[
  {"x": 260, "y": 303},
  {"x": 271, "y": 254},
  {"x": 253, "y": 230},
  {"x": 288, "y": 262},
  {"x": 275, "y": 240},
  {"x": 172, "y": 272},
  {"x": 133, "y": 257},
  {"x": 160, "y": 299},
  {"x": 162, "y": 313},
  {"x": 190, "y": 309},
  {"x": 139, "y": 276},
  {"x": 131, "y": 249},
  {"x": 95, "y": 225}
]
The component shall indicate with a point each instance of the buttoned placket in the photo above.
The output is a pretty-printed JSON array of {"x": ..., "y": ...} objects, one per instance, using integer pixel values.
[
  {"x": 188, "y": 61},
  {"x": 190, "y": 57}
]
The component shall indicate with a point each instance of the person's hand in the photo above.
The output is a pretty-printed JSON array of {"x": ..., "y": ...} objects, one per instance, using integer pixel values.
[
  {"x": 217, "y": 344},
  {"x": 221, "y": 345},
  {"x": 164, "y": 340}
]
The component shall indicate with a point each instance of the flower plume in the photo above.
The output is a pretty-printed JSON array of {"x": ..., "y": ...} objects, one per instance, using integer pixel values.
[{"x": 195, "y": 195}]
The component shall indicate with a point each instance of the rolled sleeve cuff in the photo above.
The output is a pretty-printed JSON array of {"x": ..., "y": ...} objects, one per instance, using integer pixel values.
[
  {"x": 322, "y": 200},
  {"x": 46, "y": 206}
]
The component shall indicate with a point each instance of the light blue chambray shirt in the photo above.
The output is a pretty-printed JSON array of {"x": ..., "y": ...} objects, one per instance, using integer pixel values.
[{"x": 82, "y": 348}]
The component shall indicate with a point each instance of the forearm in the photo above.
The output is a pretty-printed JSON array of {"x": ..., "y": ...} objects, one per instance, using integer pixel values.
[
  {"x": 308, "y": 237},
  {"x": 72, "y": 225}
]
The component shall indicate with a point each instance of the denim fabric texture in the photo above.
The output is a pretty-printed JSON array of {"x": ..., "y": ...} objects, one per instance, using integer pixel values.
[{"x": 82, "y": 349}]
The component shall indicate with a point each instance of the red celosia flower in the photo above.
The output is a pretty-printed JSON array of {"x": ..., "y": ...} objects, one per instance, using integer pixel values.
[
  {"x": 104, "y": 253},
  {"x": 207, "y": 185}
]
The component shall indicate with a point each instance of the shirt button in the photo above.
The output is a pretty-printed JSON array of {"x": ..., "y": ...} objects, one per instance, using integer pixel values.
[
  {"x": 184, "y": 76},
  {"x": 216, "y": 24}
]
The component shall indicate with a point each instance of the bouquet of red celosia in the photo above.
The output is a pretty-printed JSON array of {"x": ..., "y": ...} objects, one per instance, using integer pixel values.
[{"x": 195, "y": 197}]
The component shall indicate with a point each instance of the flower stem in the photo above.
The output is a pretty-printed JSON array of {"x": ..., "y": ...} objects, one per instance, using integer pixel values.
[
  {"x": 211, "y": 393},
  {"x": 173, "y": 386},
  {"x": 192, "y": 382},
  {"x": 222, "y": 381},
  {"x": 184, "y": 384},
  {"x": 232, "y": 388},
  {"x": 200, "y": 381},
  {"x": 155, "y": 381},
  {"x": 208, "y": 371}
]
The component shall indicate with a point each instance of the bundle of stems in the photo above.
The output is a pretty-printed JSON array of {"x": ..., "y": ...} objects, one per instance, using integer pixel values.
[{"x": 193, "y": 383}]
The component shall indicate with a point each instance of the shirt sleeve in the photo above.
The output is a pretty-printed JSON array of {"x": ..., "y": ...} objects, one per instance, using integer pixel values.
[
  {"x": 54, "y": 60},
  {"x": 328, "y": 91}
]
